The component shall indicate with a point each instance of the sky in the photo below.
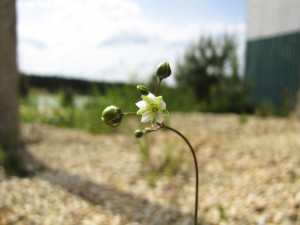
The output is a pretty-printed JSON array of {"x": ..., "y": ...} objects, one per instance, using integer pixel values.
[{"x": 118, "y": 40}]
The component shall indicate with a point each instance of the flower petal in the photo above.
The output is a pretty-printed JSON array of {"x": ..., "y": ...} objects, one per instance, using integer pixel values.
[
  {"x": 159, "y": 117},
  {"x": 146, "y": 117},
  {"x": 152, "y": 109},
  {"x": 155, "y": 126},
  {"x": 162, "y": 105},
  {"x": 141, "y": 104},
  {"x": 151, "y": 97},
  {"x": 145, "y": 98},
  {"x": 158, "y": 99},
  {"x": 141, "y": 111},
  {"x": 165, "y": 112},
  {"x": 153, "y": 119}
]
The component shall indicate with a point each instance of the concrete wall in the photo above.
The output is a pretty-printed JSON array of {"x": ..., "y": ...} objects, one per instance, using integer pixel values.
[{"x": 272, "y": 17}]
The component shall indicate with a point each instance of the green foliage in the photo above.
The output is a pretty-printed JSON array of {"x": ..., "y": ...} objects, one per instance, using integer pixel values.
[
  {"x": 66, "y": 109},
  {"x": 11, "y": 159},
  {"x": 243, "y": 118},
  {"x": 230, "y": 95},
  {"x": 267, "y": 109},
  {"x": 28, "y": 109},
  {"x": 67, "y": 99},
  {"x": 178, "y": 99},
  {"x": 205, "y": 63},
  {"x": 167, "y": 163},
  {"x": 24, "y": 86},
  {"x": 2, "y": 155},
  {"x": 2, "y": 160},
  {"x": 210, "y": 68},
  {"x": 124, "y": 97},
  {"x": 222, "y": 212},
  {"x": 143, "y": 146},
  {"x": 55, "y": 84},
  {"x": 62, "y": 117}
]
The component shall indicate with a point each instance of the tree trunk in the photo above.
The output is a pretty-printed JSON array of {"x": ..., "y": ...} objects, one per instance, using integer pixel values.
[{"x": 9, "y": 86}]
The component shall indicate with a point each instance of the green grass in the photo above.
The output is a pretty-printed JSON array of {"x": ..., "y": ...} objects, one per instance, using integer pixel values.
[
  {"x": 87, "y": 116},
  {"x": 167, "y": 164},
  {"x": 84, "y": 113},
  {"x": 66, "y": 109}
]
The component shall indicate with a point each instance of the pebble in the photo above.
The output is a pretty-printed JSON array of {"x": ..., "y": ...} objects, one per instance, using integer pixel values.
[{"x": 249, "y": 174}]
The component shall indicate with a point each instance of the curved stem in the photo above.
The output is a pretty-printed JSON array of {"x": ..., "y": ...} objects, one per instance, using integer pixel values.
[
  {"x": 196, "y": 169},
  {"x": 129, "y": 113}
]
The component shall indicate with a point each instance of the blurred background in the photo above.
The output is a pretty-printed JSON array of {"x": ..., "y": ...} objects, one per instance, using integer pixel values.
[
  {"x": 94, "y": 53},
  {"x": 235, "y": 77}
]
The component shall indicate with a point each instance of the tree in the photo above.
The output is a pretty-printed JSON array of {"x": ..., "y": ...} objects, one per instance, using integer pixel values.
[
  {"x": 211, "y": 69},
  {"x": 9, "y": 86},
  {"x": 205, "y": 64}
]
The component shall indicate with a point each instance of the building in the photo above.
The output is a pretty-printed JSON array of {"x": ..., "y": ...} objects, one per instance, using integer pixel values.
[{"x": 273, "y": 50}]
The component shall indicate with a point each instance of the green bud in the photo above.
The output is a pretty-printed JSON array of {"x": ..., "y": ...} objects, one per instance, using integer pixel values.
[
  {"x": 139, "y": 133},
  {"x": 142, "y": 89},
  {"x": 163, "y": 70},
  {"x": 112, "y": 115}
]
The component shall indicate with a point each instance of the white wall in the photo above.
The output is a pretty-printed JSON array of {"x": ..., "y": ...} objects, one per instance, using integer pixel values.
[{"x": 272, "y": 17}]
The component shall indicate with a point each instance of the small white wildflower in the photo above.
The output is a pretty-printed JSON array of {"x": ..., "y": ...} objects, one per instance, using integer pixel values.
[{"x": 152, "y": 109}]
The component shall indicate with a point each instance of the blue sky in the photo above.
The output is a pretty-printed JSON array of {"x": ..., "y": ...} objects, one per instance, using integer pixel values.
[
  {"x": 118, "y": 40},
  {"x": 185, "y": 11}
]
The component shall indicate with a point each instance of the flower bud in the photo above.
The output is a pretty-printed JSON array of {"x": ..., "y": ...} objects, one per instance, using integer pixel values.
[
  {"x": 139, "y": 133},
  {"x": 112, "y": 115},
  {"x": 142, "y": 89},
  {"x": 163, "y": 70}
]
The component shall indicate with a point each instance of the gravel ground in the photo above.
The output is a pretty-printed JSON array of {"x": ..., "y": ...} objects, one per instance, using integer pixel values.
[{"x": 249, "y": 174}]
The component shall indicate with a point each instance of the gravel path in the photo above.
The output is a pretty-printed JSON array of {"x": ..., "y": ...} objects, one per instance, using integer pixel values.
[{"x": 249, "y": 174}]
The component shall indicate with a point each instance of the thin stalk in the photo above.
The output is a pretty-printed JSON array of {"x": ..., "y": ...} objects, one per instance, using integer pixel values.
[
  {"x": 158, "y": 86},
  {"x": 129, "y": 113},
  {"x": 196, "y": 169}
]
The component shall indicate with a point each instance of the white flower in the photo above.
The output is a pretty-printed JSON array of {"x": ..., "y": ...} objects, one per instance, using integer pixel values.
[{"x": 152, "y": 109}]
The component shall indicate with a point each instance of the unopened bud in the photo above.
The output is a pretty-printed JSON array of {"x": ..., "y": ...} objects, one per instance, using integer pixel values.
[
  {"x": 163, "y": 70},
  {"x": 112, "y": 115},
  {"x": 139, "y": 133},
  {"x": 142, "y": 89}
]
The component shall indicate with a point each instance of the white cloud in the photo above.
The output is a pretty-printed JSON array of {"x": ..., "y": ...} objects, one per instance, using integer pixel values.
[{"x": 101, "y": 40}]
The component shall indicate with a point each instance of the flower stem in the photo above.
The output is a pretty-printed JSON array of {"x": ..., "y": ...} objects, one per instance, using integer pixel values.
[
  {"x": 129, "y": 113},
  {"x": 158, "y": 86},
  {"x": 196, "y": 169}
]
